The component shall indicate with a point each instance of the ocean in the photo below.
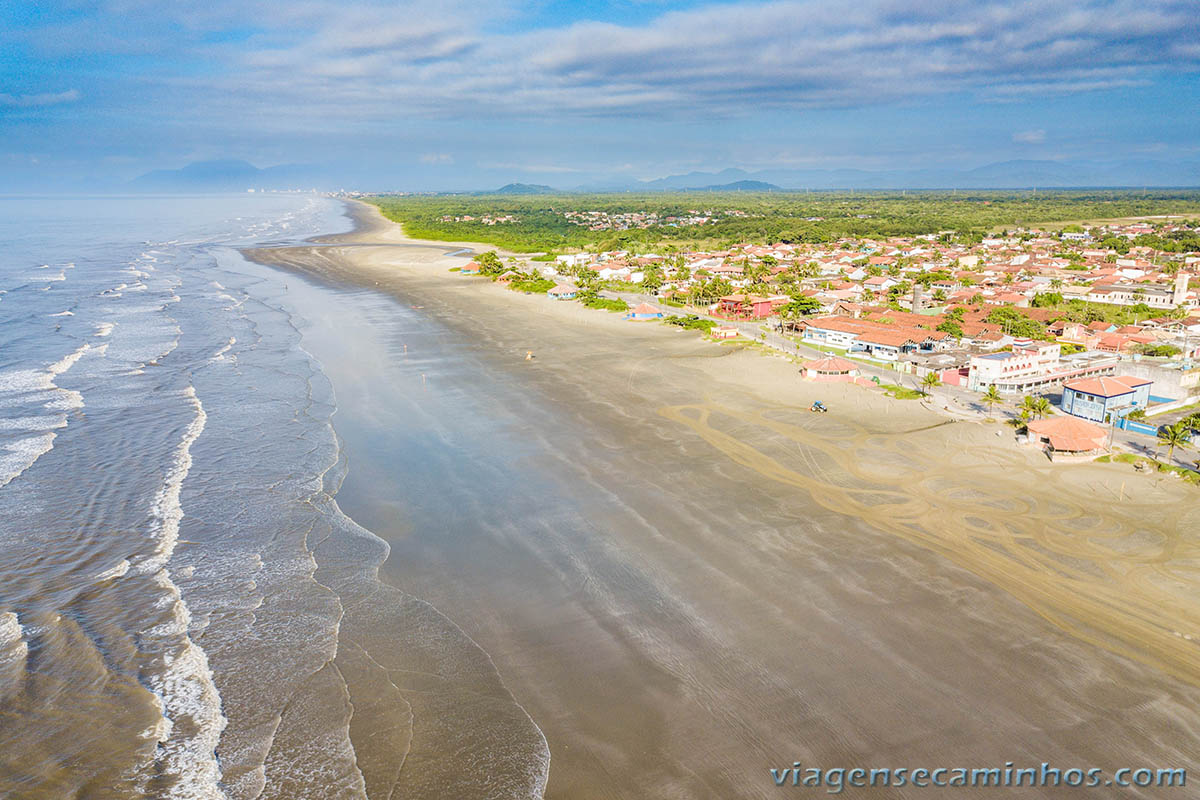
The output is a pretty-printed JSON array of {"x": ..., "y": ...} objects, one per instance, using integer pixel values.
[{"x": 183, "y": 606}]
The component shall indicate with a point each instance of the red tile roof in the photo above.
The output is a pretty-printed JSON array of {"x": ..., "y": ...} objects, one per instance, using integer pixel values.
[
  {"x": 1108, "y": 385},
  {"x": 1070, "y": 434}
]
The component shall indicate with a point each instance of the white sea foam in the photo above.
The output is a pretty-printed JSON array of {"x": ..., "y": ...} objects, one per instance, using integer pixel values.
[
  {"x": 185, "y": 686},
  {"x": 63, "y": 314},
  {"x": 105, "y": 328},
  {"x": 38, "y": 422},
  {"x": 220, "y": 354},
  {"x": 10, "y": 629},
  {"x": 25, "y": 386},
  {"x": 14, "y": 649},
  {"x": 115, "y": 571},
  {"x": 20, "y": 455}
]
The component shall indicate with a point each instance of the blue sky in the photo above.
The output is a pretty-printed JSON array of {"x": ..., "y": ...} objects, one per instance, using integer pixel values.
[{"x": 454, "y": 94}]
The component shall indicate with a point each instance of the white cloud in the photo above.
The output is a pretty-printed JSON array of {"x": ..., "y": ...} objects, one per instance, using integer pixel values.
[
  {"x": 374, "y": 61},
  {"x": 1030, "y": 137},
  {"x": 437, "y": 158},
  {"x": 32, "y": 100}
]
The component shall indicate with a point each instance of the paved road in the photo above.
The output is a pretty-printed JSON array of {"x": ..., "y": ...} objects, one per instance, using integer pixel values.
[{"x": 953, "y": 400}]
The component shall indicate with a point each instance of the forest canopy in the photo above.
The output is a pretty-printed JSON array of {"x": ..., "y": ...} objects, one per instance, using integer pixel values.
[{"x": 532, "y": 223}]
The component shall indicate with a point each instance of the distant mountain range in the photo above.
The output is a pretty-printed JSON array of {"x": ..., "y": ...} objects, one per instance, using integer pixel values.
[
  {"x": 230, "y": 175},
  {"x": 525, "y": 188},
  {"x": 238, "y": 176},
  {"x": 1003, "y": 175},
  {"x": 737, "y": 186}
]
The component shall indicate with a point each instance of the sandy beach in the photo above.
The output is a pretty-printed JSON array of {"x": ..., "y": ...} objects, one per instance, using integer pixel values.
[{"x": 705, "y": 581}]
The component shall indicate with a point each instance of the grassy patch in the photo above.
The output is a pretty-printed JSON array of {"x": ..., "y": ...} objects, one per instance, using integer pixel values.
[
  {"x": 901, "y": 392},
  {"x": 691, "y": 323},
  {"x": 1126, "y": 458},
  {"x": 533, "y": 285},
  {"x": 455, "y": 269},
  {"x": 1103, "y": 460},
  {"x": 606, "y": 303}
]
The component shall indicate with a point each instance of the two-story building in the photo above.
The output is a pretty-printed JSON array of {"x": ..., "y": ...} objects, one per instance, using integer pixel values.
[
  {"x": 1005, "y": 370},
  {"x": 1033, "y": 367},
  {"x": 1102, "y": 398}
]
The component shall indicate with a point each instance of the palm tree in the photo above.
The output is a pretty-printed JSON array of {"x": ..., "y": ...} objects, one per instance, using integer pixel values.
[
  {"x": 931, "y": 381},
  {"x": 1174, "y": 436},
  {"x": 992, "y": 397},
  {"x": 1042, "y": 407},
  {"x": 1029, "y": 405}
]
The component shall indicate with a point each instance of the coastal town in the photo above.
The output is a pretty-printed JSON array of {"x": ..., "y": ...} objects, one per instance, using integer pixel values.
[{"x": 1085, "y": 337}]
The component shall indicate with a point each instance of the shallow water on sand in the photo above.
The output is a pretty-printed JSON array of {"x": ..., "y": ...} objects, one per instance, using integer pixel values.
[{"x": 181, "y": 601}]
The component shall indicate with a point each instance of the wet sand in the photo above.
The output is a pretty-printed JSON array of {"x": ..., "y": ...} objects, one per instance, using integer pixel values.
[{"x": 711, "y": 582}]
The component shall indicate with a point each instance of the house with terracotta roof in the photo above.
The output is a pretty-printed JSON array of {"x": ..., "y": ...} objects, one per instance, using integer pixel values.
[
  {"x": 1068, "y": 438},
  {"x": 1103, "y": 397},
  {"x": 745, "y": 306},
  {"x": 644, "y": 311},
  {"x": 830, "y": 370}
]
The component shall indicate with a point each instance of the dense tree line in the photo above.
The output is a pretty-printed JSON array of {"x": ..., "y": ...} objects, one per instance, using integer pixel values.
[{"x": 776, "y": 217}]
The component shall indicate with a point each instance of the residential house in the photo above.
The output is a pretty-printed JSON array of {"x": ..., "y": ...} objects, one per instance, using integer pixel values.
[{"x": 1104, "y": 397}]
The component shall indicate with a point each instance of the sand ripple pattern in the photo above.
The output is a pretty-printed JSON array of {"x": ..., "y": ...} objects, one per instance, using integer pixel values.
[{"x": 1126, "y": 580}]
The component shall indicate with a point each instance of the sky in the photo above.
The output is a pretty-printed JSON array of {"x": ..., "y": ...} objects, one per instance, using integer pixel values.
[{"x": 455, "y": 95}]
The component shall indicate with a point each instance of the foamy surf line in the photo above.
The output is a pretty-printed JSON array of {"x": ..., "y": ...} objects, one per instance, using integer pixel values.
[
  {"x": 185, "y": 688},
  {"x": 24, "y": 386}
]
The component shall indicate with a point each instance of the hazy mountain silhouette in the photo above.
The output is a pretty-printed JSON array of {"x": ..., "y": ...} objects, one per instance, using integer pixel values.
[{"x": 231, "y": 175}]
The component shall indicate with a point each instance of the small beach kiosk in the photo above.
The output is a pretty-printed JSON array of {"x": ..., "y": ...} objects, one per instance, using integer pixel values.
[
  {"x": 830, "y": 370},
  {"x": 563, "y": 291},
  {"x": 644, "y": 311},
  {"x": 725, "y": 332},
  {"x": 1068, "y": 438}
]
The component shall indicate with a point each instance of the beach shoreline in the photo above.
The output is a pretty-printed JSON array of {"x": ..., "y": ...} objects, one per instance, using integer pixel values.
[{"x": 751, "y": 584}]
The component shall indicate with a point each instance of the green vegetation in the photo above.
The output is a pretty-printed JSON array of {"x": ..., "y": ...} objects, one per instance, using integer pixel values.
[
  {"x": 1157, "y": 350},
  {"x": 901, "y": 392},
  {"x": 1036, "y": 406},
  {"x": 691, "y": 322},
  {"x": 1173, "y": 436},
  {"x": 531, "y": 283},
  {"x": 1014, "y": 323},
  {"x": 490, "y": 264},
  {"x": 593, "y": 300},
  {"x": 769, "y": 217},
  {"x": 992, "y": 397}
]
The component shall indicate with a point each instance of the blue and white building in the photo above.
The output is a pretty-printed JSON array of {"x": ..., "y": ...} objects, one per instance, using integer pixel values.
[{"x": 1105, "y": 398}]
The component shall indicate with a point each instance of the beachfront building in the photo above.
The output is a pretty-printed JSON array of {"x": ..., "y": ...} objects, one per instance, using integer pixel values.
[
  {"x": 725, "y": 332},
  {"x": 835, "y": 331},
  {"x": 744, "y": 306},
  {"x": 1031, "y": 367},
  {"x": 1068, "y": 438},
  {"x": 1105, "y": 397},
  {"x": 644, "y": 311},
  {"x": 830, "y": 370},
  {"x": 886, "y": 342},
  {"x": 562, "y": 291}
]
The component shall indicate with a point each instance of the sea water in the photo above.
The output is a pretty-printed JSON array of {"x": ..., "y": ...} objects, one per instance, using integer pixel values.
[{"x": 175, "y": 576}]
